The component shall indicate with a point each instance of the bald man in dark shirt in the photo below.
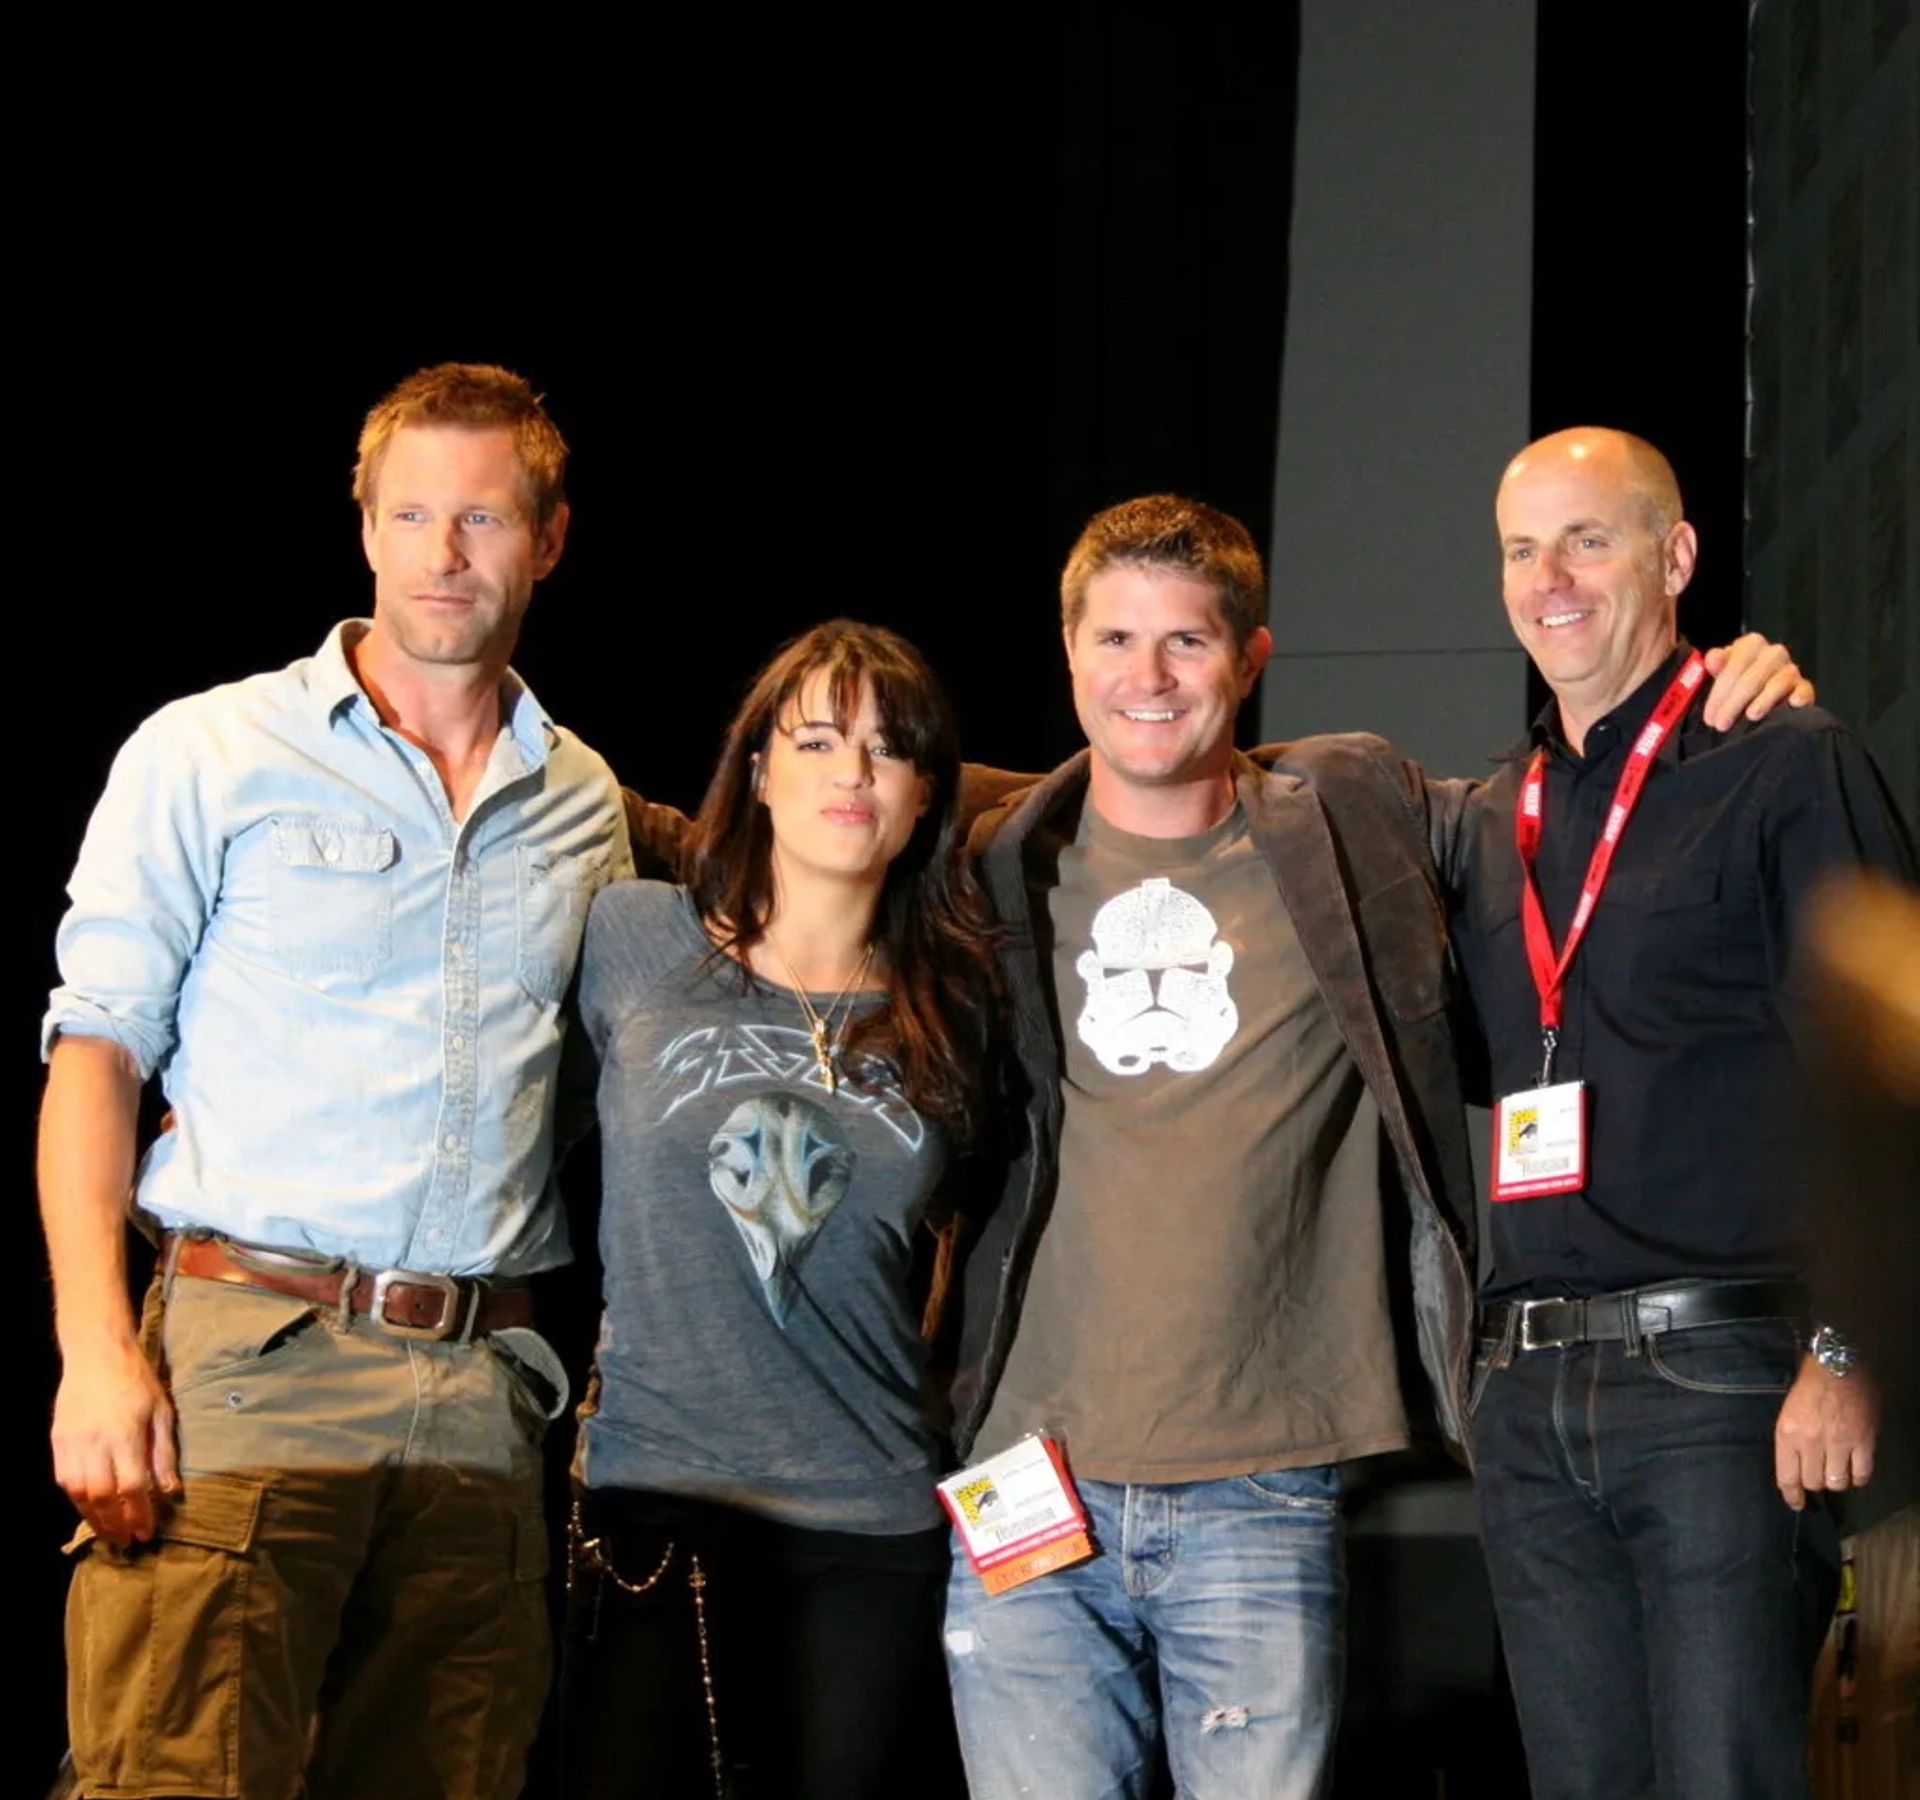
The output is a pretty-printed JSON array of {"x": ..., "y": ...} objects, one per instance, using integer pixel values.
[{"x": 1657, "y": 1387}]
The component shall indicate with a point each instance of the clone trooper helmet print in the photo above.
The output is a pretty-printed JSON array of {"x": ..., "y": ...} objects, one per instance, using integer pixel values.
[{"x": 1156, "y": 982}]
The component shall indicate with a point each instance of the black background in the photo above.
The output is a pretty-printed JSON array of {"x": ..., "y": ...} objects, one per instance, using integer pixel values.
[{"x": 835, "y": 323}]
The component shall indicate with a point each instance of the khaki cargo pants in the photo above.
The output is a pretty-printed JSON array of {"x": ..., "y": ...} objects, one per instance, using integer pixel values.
[{"x": 347, "y": 1598}]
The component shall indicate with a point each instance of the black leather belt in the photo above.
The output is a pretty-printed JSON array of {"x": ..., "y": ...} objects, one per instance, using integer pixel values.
[{"x": 1638, "y": 1312}]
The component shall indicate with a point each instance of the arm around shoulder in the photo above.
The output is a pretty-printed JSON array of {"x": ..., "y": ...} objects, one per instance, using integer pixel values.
[
  {"x": 1449, "y": 801},
  {"x": 1440, "y": 804},
  {"x": 982, "y": 788},
  {"x": 1443, "y": 802},
  {"x": 659, "y": 835}
]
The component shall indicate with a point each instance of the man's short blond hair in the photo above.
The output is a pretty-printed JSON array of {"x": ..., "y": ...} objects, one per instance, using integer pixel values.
[{"x": 472, "y": 397}]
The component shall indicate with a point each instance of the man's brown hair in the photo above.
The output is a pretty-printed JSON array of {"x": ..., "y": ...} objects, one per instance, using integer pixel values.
[
  {"x": 1163, "y": 531},
  {"x": 473, "y": 397}
]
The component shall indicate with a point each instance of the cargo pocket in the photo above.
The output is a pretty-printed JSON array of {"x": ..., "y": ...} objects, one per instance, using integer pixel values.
[
  {"x": 329, "y": 896},
  {"x": 154, "y": 1645}
]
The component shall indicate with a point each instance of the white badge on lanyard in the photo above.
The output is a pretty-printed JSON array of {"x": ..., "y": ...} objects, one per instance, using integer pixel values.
[
  {"x": 1017, "y": 1514},
  {"x": 1540, "y": 1141}
]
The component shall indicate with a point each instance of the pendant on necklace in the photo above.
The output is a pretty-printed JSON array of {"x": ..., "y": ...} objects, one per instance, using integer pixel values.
[{"x": 826, "y": 1046}]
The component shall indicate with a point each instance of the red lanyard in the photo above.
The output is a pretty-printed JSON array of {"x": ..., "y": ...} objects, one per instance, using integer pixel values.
[{"x": 1550, "y": 972}]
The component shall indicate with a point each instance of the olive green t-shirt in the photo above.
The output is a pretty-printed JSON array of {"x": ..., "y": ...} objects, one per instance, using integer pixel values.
[{"x": 1208, "y": 1295}]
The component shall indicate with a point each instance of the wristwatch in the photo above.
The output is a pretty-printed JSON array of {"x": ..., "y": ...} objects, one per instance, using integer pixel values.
[{"x": 1832, "y": 1352}]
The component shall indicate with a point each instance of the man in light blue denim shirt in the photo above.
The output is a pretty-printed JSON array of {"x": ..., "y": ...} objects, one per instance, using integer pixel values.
[{"x": 335, "y": 909}]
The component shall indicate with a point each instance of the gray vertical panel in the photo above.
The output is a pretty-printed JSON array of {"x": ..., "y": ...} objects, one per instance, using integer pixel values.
[{"x": 1405, "y": 385}]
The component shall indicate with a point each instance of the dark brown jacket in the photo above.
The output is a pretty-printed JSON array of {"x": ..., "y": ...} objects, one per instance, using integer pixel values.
[{"x": 1342, "y": 823}]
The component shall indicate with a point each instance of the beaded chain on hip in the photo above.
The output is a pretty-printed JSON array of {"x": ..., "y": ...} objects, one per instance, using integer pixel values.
[{"x": 591, "y": 1553}]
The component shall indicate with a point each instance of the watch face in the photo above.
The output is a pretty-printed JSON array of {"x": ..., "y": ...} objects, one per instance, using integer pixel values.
[{"x": 1832, "y": 1352}]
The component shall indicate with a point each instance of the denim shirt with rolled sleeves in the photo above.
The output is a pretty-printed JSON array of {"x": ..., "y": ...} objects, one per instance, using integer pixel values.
[{"x": 354, "y": 1001}]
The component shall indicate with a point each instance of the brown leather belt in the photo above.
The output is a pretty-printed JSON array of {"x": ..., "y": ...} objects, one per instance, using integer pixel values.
[{"x": 406, "y": 1302}]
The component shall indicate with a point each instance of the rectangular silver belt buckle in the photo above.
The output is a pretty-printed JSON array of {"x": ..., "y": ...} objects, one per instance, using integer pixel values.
[
  {"x": 1528, "y": 1341},
  {"x": 444, "y": 1327}
]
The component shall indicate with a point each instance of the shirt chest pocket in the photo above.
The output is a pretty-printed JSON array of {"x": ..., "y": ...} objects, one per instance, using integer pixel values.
[
  {"x": 1656, "y": 924},
  {"x": 330, "y": 896},
  {"x": 552, "y": 892}
]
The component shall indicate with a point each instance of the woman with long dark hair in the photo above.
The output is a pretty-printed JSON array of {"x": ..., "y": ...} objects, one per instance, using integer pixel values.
[{"x": 790, "y": 1047}]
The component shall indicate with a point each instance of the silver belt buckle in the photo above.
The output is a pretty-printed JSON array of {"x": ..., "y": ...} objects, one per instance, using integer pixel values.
[
  {"x": 443, "y": 1327},
  {"x": 1528, "y": 1341}
]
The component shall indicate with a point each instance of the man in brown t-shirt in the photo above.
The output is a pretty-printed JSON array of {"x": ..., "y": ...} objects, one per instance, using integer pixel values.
[{"x": 1231, "y": 1013}]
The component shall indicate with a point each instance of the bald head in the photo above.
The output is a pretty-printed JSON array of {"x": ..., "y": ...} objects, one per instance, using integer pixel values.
[
  {"x": 1595, "y": 555},
  {"x": 1628, "y": 463}
]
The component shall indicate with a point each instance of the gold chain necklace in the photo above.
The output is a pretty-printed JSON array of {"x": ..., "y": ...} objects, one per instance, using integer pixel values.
[{"x": 826, "y": 1045}]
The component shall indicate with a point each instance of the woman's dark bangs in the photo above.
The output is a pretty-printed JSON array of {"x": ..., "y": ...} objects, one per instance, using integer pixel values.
[{"x": 909, "y": 713}]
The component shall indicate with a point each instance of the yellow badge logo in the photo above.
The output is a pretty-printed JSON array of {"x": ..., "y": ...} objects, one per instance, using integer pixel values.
[
  {"x": 1523, "y": 1129},
  {"x": 980, "y": 1501}
]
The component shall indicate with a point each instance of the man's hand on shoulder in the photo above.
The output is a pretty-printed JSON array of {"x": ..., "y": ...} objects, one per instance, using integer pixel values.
[
  {"x": 1752, "y": 676},
  {"x": 1823, "y": 1438},
  {"x": 113, "y": 1441}
]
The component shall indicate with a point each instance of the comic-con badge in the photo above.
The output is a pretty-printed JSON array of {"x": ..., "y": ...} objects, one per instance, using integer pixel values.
[
  {"x": 1017, "y": 1514},
  {"x": 1540, "y": 1141}
]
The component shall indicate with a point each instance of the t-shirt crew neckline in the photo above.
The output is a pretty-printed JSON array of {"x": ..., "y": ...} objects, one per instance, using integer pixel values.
[{"x": 1158, "y": 852}]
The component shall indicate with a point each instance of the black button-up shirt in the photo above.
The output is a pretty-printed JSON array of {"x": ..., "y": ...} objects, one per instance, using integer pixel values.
[{"x": 1676, "y": 1007}]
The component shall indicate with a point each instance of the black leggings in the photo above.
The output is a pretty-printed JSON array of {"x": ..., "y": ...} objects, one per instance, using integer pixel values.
[{"x": 708, "y": 1653}]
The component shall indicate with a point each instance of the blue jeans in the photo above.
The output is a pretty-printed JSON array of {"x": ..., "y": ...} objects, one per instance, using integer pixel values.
[
  {"x": 1660, "y": 1604},
  {"x": 1211, "y": 1620}
]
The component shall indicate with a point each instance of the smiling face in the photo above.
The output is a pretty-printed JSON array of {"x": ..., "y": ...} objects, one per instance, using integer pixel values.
[
  {"x": 1157, "y": 680},
  {"x": 841, "y": 803},
  {"x": 1592, "y": 571},
  {"x": 455, "y": 553}
]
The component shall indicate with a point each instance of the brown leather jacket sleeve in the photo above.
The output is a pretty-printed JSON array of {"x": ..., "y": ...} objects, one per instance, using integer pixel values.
[{"x": 660, "y": 836}]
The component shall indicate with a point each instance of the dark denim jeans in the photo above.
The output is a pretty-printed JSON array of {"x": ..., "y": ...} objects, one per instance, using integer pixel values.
[{"x": 1660, "y": 1604}]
